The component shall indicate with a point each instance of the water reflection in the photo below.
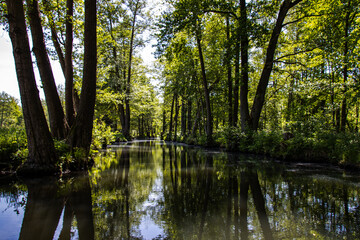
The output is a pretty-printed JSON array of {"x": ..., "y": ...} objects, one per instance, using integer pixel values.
[
  {"x": 47, "y": 199},
  {"x": 156, "y": 190}
]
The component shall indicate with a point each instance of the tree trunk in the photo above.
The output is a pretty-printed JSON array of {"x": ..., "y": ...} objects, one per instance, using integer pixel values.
[
  {"x": 244, "y": 89},
  {"x": 176, "y": 117},
  {"x": 269, "y": 61},
  {"x": 42, "y": 157},
  {"x": 81, "y": 132},
  {"x": 69, "y": 78},
  {"x": 228, "y": 68},
  {"x": 54, "y": 36},
  {"x": 164, "y": 125},
  {"x": 183, "y": 118},
  {"x": 237, "y": 83},
  {"x": 189, "y": 119},
  {"x": 57, "y": 119},
  {"x": 345, "y": 70},
  {"x": 197, "y": 119},
  {"x": 171, "y": 118},
  {"x": 128, "y": 89},
  {"x": 209, "y": 127}
]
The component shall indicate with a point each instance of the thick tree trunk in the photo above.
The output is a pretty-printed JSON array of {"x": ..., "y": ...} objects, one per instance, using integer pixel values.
[
  {"x": 244, "y": 89},
  {"x": 209, "y": 123},
  {"x": 58, "y": 124},
  {"x": 69, "y": 78},
  {"x": 269, "y": 61},
  {"x": 42, "y": 157},
  {"x": 81, "y": 131}
]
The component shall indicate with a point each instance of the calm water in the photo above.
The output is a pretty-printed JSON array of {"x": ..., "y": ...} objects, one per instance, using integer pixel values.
[{"x": 154, "y": 190}]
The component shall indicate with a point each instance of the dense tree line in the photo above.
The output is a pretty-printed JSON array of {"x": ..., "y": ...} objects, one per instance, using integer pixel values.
[
  {"x": 96, "y": 46},
  {"x": 231, "y": 73},
  {"x": 259, "y": 65}
]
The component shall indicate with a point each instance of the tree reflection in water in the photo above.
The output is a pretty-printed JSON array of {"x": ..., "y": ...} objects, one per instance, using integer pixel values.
[
  {"x": 45, "y": 203},
  {"x": 153, "y": 190},
  {"x": 230, "y": 196}
]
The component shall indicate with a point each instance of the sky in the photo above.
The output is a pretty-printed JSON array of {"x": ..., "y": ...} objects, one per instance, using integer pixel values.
[{"x": 8, "y": 80}]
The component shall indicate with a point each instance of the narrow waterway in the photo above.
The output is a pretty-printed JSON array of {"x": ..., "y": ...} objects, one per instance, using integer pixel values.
[{"x": 158, "y": 190}]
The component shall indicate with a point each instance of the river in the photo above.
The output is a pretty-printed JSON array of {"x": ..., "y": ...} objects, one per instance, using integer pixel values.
[{"x": 158, "y": 190}]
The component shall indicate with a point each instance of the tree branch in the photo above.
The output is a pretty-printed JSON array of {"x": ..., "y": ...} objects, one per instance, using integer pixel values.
[
  {"x": 298, "y": 20},
  {"x": 223, "y": 12},
  {"x": 290, "y": 63},
  {"x": 293, "y": 54}
]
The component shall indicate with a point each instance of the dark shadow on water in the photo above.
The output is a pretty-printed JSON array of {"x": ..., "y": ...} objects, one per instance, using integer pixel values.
[{"x": 47, "y": 199}]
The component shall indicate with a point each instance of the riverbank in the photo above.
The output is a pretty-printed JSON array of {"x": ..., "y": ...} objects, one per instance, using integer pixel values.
[
  {"x": 340, "y": 149},
  {"x": 337, "y": 149}
]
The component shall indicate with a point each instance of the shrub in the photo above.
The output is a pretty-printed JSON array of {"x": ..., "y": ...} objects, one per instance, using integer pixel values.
[
  {"x": 11, "y": 140},
  {"x": 102, "y": 135}
]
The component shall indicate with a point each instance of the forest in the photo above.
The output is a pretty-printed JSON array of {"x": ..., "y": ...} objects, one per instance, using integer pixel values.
[{"x": 274, "y": 77}]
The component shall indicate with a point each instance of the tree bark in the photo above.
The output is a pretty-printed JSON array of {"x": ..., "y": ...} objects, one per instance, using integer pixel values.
[
  {"x": 42, "y": 157},
  {"x": 81, "y": 132},
  {"x": 58, "y": 124},
  {"x": 69, "y": 72}
]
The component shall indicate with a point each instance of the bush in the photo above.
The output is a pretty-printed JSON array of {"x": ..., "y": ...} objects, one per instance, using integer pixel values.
[
  {"x": 268, "y": 143},
  {"x": 326, "y": 146},
  {"x": 102, "y": 135},
  {"x": 12, "y": 147},
  {"x": 11, "y": 140}
]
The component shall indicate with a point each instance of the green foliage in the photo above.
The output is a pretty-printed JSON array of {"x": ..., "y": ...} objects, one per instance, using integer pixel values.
[
  {"x": 102, "y": 135},
  {"x": 326, "y": 146},
  {"x": 12, "y": 133},
  {"x": 12, "y": 147}
]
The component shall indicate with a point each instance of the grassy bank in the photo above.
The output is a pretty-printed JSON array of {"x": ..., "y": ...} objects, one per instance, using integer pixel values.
[{"x": 342, "y": 149}]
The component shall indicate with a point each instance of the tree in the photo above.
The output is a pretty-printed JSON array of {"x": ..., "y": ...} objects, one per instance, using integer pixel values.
[
  {"x": 10, "y": 111},
  {"x": 81, "y": 131},
  {"x": 58, "y": 123},
  {"x": 42, "y": 157},
  {"x": 259, "y": 99}
]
